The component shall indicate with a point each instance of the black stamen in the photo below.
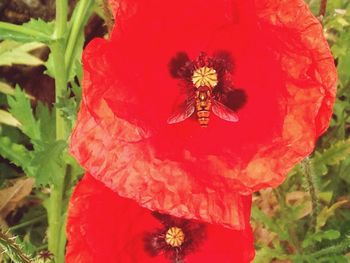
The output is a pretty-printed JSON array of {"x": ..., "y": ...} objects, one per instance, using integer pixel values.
[
  {"x": 236, "y": 99},
  {"x": 155, "y": 243},
  {"x": 223, "y": 61},
  {"x": 180, "y": 66}
]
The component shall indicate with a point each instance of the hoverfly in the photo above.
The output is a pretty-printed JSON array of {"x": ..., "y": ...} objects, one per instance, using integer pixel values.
[{"x": 201, "y": 99}]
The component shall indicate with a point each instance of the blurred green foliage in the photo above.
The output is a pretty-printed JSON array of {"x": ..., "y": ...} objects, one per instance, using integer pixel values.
[
  {"x": 34, "y": 134},
  {"x": 307, "y": 219}
]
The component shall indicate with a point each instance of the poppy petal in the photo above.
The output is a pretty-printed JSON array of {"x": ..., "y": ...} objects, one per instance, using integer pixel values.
[
  {"x": 282, "y": 78},
  {"x": 103, "y": 227}
]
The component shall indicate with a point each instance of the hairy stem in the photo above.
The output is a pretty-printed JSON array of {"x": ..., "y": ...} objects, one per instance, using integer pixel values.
[
  {"x": 57, "y": 190},
  {"x": 342, "y": 247},
  {"x": 311, "y": 188}
]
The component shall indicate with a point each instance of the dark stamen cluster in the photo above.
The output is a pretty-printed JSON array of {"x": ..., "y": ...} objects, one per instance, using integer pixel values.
[
  {"x": 156, "y": 243},
  {"x": 182, "y": 68}
]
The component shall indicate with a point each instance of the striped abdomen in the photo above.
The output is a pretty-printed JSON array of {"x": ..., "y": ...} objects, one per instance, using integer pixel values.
[{"x": 203, "y": 105}]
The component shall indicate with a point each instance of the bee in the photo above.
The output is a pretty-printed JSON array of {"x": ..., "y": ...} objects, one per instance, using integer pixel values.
[{"x": 202, "y": 101}]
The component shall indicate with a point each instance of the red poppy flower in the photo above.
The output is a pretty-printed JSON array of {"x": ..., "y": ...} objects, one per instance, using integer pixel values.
[
  {"x": 258, "y": 73},
  {"x": 103, "y": 227}
]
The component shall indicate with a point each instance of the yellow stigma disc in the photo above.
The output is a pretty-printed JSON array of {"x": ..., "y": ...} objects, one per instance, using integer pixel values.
[
  {"x": 205, "y": 77},
  {"x": 175, "y": 237}
]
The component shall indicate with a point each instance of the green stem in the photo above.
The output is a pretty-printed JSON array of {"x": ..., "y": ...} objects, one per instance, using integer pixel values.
[
  {"x": 62, "y": 244},
  {"x": 57, "y": 50},
  {"x": 61, "y": 18},
  {"x": 55, "y": 215},
  {"x": 27, "y": 223},
  {"x": 77, "y": 28},
  {"x": 57, "y": 191},
  {"x": 311, "y": 188},
  {"x": 63, "y": 50}
]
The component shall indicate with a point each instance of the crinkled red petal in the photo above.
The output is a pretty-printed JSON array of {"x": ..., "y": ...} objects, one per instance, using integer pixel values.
[
  {"x": 282, "y": 63},
  {"x": 103, "y": 227}
]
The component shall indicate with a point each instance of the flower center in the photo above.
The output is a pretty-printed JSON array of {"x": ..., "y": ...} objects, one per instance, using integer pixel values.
[
  {"x": 205, "y": 77},
  {"x": 175, "y": 237}
]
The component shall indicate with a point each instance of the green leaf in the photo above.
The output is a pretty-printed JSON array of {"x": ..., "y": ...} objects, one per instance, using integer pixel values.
[
  {"x": 21, "y": 109},
  {"x": 329, "y": 235},
  {"x": 76, "y": 66},
  {"x": 47, "y": 122},
  {"x": 34, "y": 30},
  {"x": 325, "y": 196},
  {"x": 69, "y": 109},
  {"x": 269, "y": 223},
  {"x": 267, "y": 254},
  {"x": 328, "y": 212},
  {"x": 11, "y": 246},
  {"x": 16, "y": 53},
  {"x": 16, "y": 153},
  {"x": 8, "y": 119},
  {"x": 333, "y": 259},
  {"x": 319, "y": 236},
  {"x": 331, "y": 252},
  {"x": 301, "y": 259},
  {"x": 49, "y": 64},
  {"x": 48, "y": 163},
  {"x": 50, "y": 67},
  {"x": 344, "y": 170},
  {"x": 331, "y": 156},
  {"x": 6, "y": 88},
  {"x": 14, "y": 134},
  {"x": 77, "y": 92}
]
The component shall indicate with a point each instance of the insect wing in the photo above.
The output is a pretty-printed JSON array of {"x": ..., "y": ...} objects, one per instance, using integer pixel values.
[
  {"x": 184, "y": 112},
  {"x": 224, "y": 112}
]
